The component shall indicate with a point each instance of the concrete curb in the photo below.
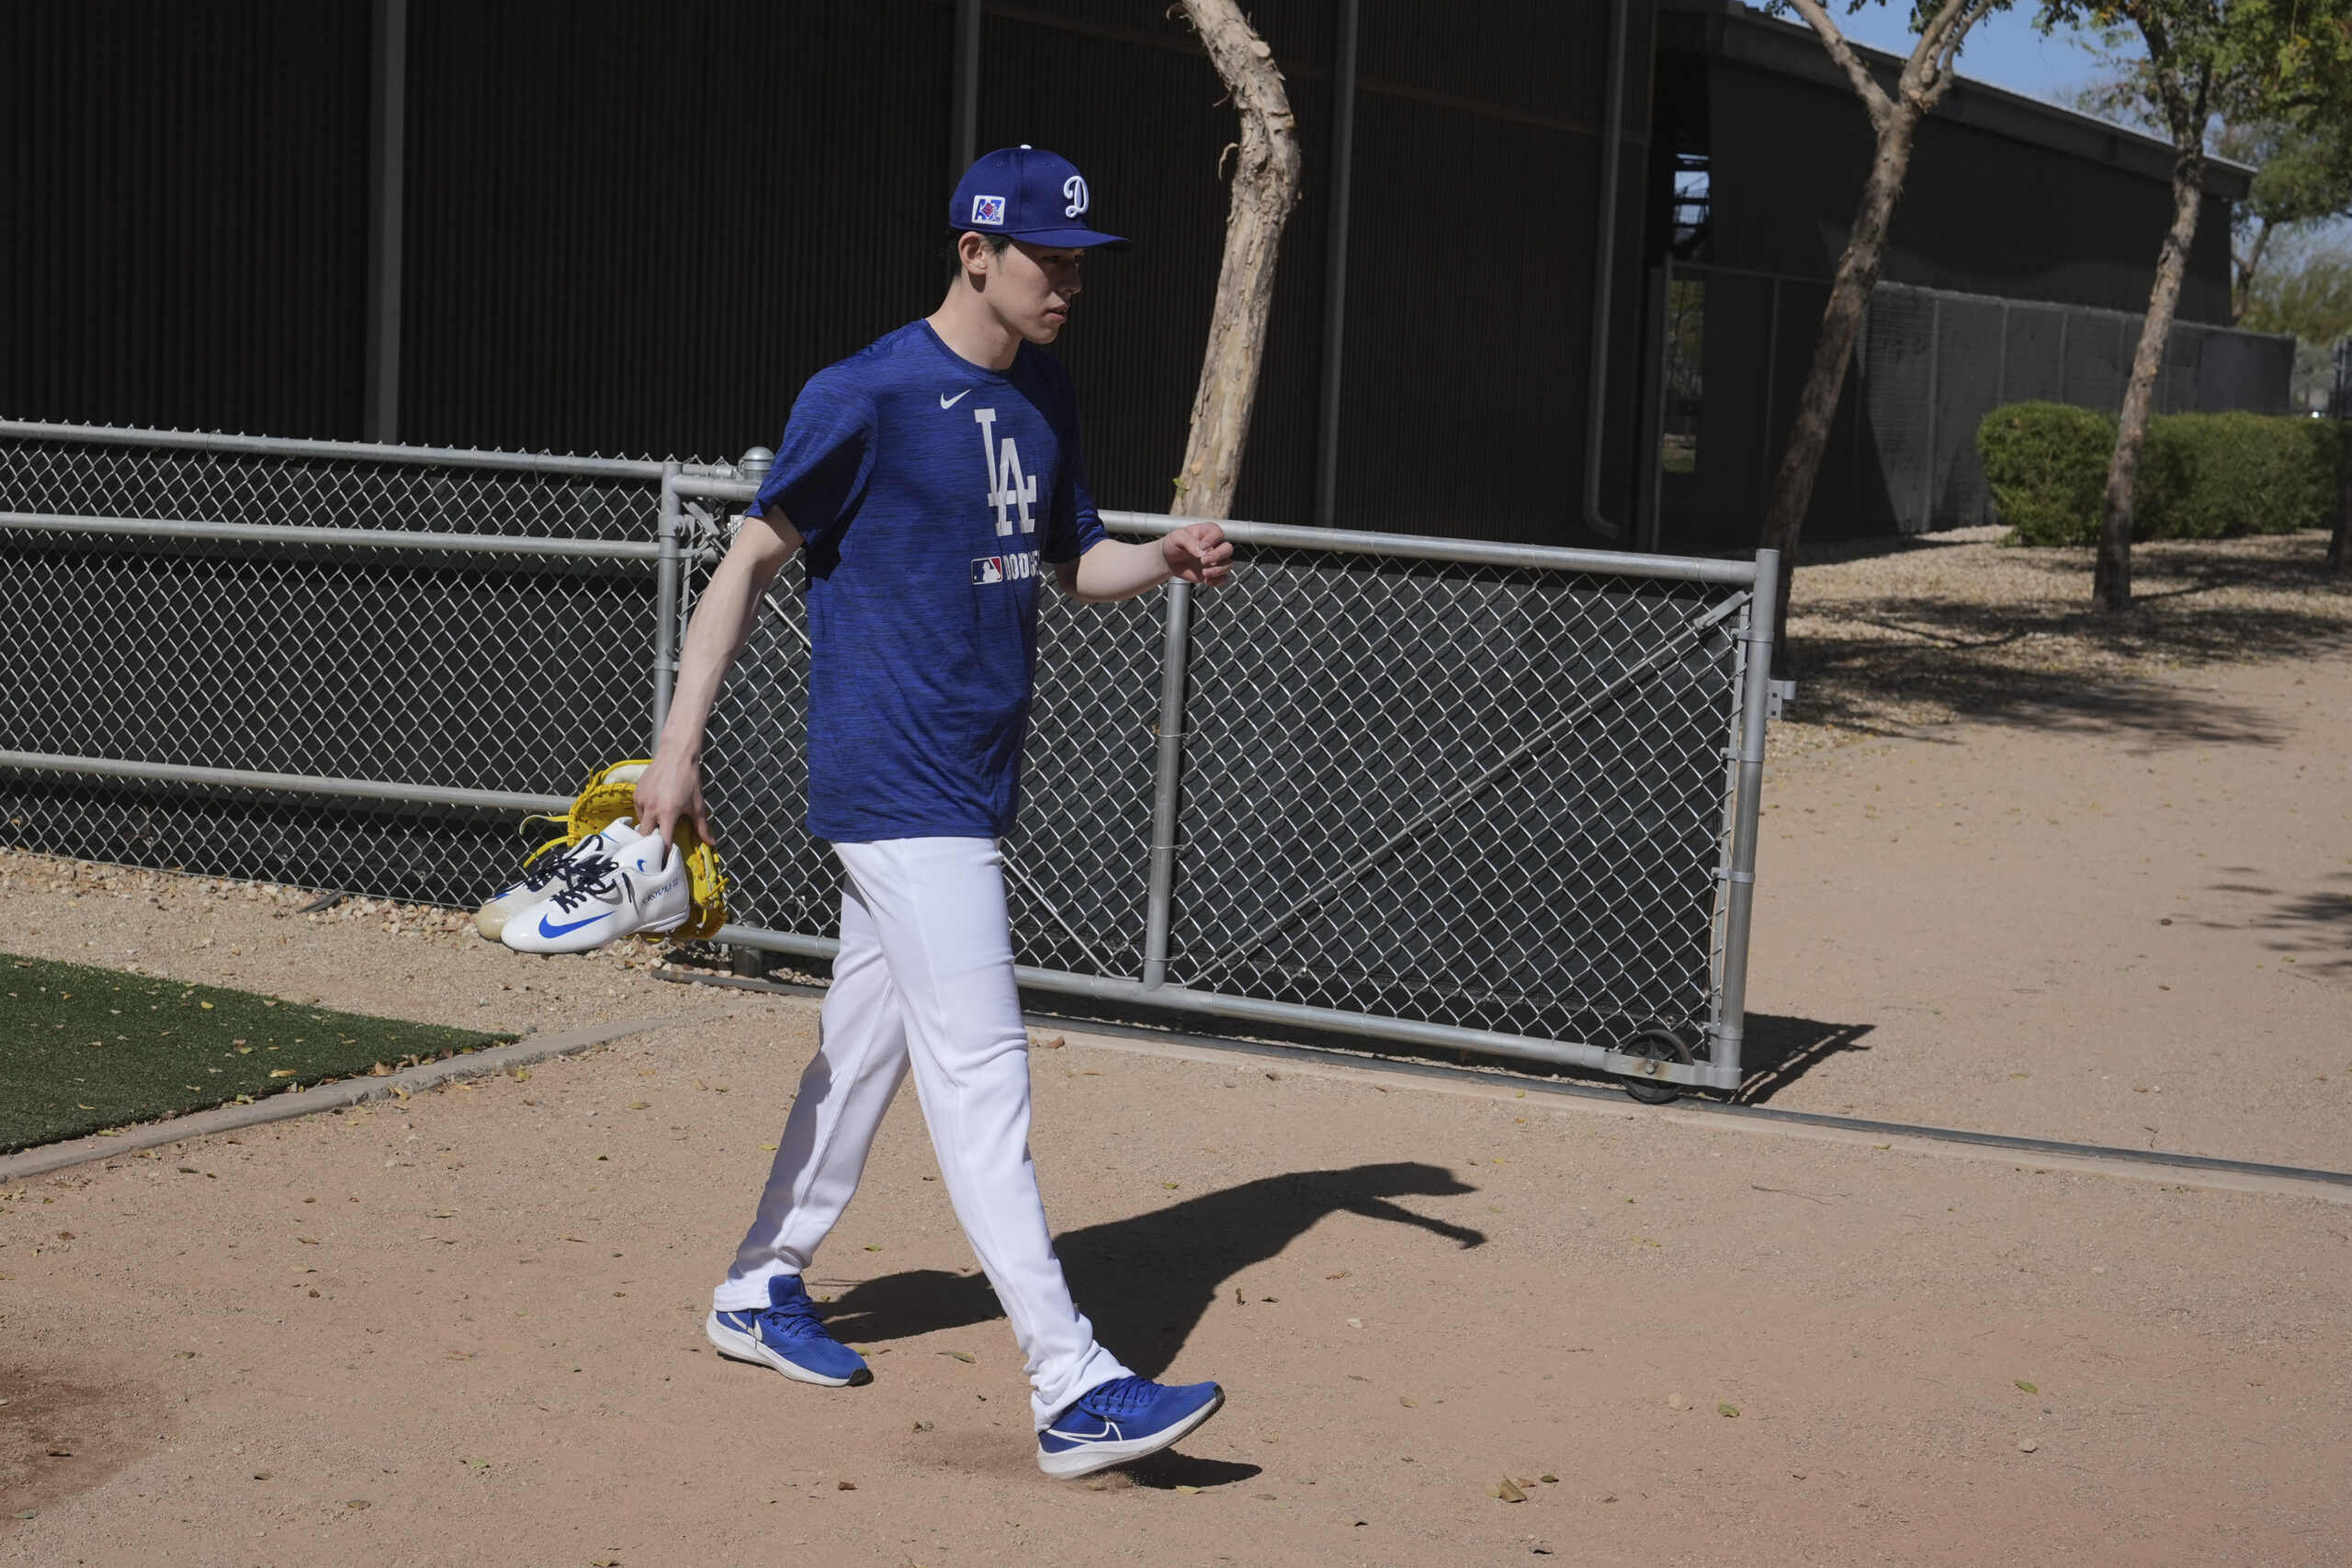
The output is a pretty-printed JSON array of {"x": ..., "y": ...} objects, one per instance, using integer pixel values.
[
  {"x": 1562, "y": 1097},
  {"x": 334, "y": 1095},
  {"x": 1590, "y": 1099}
]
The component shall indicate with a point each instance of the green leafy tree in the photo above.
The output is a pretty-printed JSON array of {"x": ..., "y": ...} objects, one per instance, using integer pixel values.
[
  {"x": 2306, "y": 290},
  {"x": 2302, "y": 175},
  {"x": 2310, "y": 295},
  {"x": 2279, "y": 62}
]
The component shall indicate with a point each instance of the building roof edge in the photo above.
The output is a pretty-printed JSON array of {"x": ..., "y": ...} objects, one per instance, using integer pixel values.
[{"x": 1739, "y": 32}]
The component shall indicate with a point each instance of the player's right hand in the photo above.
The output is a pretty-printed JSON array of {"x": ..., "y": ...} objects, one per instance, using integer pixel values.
[{"x": 670, "y": 793}]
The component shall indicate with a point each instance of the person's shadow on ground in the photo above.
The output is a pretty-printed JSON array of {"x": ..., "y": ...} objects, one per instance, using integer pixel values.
[{"x": 1147, "y": 1280}]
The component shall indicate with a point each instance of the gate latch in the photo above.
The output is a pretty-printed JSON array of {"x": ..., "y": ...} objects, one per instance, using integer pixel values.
[{"x": 1778, "y": 694}]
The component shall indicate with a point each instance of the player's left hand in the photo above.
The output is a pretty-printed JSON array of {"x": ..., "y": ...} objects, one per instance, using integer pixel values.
[{"x": 1198, "y": 553}]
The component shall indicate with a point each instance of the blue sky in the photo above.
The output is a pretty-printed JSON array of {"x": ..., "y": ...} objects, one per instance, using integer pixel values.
[{"x": 2002, "y": 49}]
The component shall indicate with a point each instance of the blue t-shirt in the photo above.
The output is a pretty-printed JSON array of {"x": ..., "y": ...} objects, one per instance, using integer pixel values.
[{"x": 931, "y": 493}]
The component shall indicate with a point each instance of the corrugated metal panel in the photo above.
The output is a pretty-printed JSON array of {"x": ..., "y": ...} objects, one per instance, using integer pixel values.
[
  {"x": 1539, "y": 60},
  {"x": 1469, "y": 309},
  {"x": 636, "y": 229},
  {"x": 1980, "y": 213},
  {"x": 1144, "y": 119},
  {"x": 185, "y": 195},
  {"x": 633, "y": 228},
  {"x": 507, "y": 275}
]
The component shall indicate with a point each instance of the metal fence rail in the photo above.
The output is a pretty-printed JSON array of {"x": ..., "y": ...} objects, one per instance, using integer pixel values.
[{"x": 1429, "y": 791}]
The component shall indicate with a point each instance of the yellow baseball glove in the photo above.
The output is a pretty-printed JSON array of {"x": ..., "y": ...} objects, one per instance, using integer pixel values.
[{"x": 610, "y": 794}]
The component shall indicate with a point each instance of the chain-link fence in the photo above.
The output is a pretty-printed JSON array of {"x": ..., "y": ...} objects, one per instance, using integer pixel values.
[
  {"x": 470, "y": 629},
  {"x": 1430, "y": 792},
  {"x": 1928, "y": 365}
]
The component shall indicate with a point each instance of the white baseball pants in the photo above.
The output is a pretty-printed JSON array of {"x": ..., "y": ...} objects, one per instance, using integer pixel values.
[{"x": 925, "y": 978}]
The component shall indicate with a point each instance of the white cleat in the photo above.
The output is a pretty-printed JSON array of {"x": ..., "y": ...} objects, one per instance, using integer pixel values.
[
  {"x": 642, "y": 887},
  {"x": 552, "y": 874}
]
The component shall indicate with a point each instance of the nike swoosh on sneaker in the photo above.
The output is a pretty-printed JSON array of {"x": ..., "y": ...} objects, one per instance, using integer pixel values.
[
  {"x": 947, "y": 402},
  {"x": 552, "y": 932}
]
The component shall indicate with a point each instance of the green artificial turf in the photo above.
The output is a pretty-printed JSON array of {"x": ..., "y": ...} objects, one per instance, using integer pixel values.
[{"x": 84, "y": 1049}]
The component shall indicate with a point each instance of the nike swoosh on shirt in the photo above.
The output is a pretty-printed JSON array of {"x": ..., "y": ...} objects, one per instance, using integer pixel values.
[{"x": 947, "y": 402}]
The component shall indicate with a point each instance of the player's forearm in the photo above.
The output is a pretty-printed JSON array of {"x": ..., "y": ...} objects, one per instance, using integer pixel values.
[
  {"x": 715, "y": 637},
  {"x": 1116, "y": 571}
]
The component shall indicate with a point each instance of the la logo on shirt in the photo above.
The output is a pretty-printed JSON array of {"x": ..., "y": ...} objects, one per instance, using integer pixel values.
[{"x": 1009, "y": 488}]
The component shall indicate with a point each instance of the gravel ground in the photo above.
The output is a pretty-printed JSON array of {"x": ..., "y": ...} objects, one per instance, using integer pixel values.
[{"x": 1886, "y": 638}]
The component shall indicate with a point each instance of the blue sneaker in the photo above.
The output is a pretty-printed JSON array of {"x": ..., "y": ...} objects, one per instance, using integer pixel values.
[
  {"x": 789, "y": 1338},
  {"x": 1123, "y": 1419}
]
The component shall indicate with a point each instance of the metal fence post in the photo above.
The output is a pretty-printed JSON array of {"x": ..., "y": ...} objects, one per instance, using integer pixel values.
[
  {"x": 1174, "y": 649},
  {"x": 1935, "y": 380},
  {"x": 1756, "y": 694},
  {"x": 665, "y": 602}
]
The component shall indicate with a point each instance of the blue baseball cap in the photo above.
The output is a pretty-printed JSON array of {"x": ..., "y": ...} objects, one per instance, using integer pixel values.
[{"x": 1030, "y": 194}]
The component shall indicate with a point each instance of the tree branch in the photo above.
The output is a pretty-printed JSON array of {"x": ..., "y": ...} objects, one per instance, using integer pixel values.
[
  {"x": 1957, "y": 19},
  {"x": 1874, "y": 99},
  {"x": 1265, "y": 187}
]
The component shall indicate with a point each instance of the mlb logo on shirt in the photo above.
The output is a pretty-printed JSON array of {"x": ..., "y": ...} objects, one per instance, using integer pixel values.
[
  {"x": 1004, "y": 569},
  {"x": 989, "y": 210}
]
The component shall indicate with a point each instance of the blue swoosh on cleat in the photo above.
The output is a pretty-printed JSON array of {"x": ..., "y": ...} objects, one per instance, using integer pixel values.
[{"x": 551, "y": 931}]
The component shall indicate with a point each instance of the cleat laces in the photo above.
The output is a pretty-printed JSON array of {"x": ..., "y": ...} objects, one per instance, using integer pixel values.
[{"x": 582, "y": 879}]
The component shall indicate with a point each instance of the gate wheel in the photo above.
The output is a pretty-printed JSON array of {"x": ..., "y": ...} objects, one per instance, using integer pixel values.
[{"x": 1657, "y": 1045}]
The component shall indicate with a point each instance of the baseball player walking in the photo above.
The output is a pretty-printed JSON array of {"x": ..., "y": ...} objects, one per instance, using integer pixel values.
[{"x": 923, "y": 574}]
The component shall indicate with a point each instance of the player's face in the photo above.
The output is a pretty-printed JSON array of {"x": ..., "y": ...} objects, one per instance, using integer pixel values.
[{"x": 1029, "y": 288}]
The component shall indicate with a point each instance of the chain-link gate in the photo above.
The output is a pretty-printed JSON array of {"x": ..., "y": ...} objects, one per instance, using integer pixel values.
[
  {"x": 1431, "y": 792},
  {"x": 1478, "y": 796}
]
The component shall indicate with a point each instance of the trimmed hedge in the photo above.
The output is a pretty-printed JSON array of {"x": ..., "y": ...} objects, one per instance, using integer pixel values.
[{"x": 2204, "y": 476}]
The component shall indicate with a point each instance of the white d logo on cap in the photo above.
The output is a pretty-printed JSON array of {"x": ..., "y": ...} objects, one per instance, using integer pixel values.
[{"x": 1074, "y": 187}]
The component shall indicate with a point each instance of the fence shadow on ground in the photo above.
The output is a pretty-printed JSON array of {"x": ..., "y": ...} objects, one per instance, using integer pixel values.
[
  {"x": 1778, "y": 1050},
  {"x": 1148, "y": 1280},
  {"x": 1977, "y": 631}
]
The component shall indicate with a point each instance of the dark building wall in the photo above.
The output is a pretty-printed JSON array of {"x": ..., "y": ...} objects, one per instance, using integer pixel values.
[
  {"x": 1125, "y": 92},
  {"x": 635, "y": 228},
  {"x": 183, "y": 213},
  {"x": 1980, "y": 212},
  {"x": 1471, "y": 269}
]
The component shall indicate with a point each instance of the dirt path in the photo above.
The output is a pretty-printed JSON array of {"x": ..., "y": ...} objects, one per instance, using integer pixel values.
[
  {"x": 1410, "y": 1291},
  {"x": 2124, "y": 919}
]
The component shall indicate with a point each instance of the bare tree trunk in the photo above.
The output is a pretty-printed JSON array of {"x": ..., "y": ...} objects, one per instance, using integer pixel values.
[
  {"x": 2339, "y": 544},
  {"x": 1894, "y": 120},
  {"x": 1265, "y": 187},
  {"x": 2242, "y": 288},
  {"x": 2112, "y": 580},
  {"x": 1833, "y": 347}
]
